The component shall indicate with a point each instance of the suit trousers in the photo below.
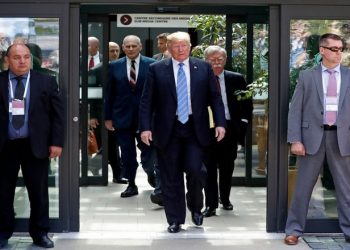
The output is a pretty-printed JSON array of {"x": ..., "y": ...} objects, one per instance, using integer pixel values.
[
  {"x": 126, "y": 139},
  {"x": 114, "y": 155},
  {"x": 15, "y": 155},
  {"x": 182, "y": 154},
  {"x": 220, "y": 156},
  {"x": 309, "y": 168}
]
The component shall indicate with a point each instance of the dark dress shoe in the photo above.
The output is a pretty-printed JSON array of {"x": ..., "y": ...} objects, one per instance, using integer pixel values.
[
  {"x": 3, "y": 243},
  {"x": 197, "y": 218},
  {"x": 347, "y": 239},
  {"x": 120, "y": 180},
  {"x": 291, "y": 240},
  {"x": 152, "y": 180},
  {"x": 43, "y": 241},
  {"x": 130, "y": 191},
  {"x": 174, "y": 228},
  {"x": 208, "y": 212},
  {"x": 227, "y": 206},
  {"x": 157, "y": 199}
]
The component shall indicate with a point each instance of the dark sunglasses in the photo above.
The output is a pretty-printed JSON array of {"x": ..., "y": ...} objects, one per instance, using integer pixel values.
[{"x": 334, "y": 49}]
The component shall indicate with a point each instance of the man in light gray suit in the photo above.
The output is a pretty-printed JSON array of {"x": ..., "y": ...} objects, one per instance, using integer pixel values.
[{"x": 319, "y": 130}]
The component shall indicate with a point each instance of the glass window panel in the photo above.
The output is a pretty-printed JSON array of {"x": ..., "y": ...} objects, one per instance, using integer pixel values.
[
  {"x": 94, "y": 99},
  {"x": 42, "y": 37},
  {"x": 239, "y": 64},
  {"x": 304, "y": 54},
  {"x": 260, "y": 99}
]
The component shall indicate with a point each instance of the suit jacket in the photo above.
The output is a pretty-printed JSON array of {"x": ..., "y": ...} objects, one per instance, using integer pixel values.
[
  {"x": 305, "y": 118},
  {"x": 122, "y": 102},
  {"x": 159, "y": 101},
  {"x": 238, "y": 109},
  {"x": 46, "y": 113},
  {"x": 158, "y": 56}
]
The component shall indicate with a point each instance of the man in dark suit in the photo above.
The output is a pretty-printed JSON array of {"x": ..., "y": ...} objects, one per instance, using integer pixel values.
[
  {"x": 32, "y": 131},
  {"x": 124, "y": 89},
  {"x": 318, "y": 131},
  {"x": 175, "y": 99},
  {"x": 221, "y": 155}
]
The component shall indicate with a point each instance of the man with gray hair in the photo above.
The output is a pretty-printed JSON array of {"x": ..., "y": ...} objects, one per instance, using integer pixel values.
[{"x": 222, "y": 154}]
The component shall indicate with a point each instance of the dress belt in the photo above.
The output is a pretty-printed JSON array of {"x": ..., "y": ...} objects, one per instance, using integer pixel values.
[{"x": 328, "y": 127}]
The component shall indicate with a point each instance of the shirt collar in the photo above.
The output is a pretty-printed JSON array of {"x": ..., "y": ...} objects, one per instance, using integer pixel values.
[
  {"x": 221, "y": 75},
  {"x": 97, "y": 55},
  {"x": 185, "y": 62},
  {"x": 137, "y": 59},
  {"x": 336, "y": 69},
  {"x": 13, "y": 76}
]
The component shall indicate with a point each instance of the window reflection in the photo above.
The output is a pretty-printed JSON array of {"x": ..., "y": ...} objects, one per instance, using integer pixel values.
[
  {"x": 259, "y": 89},
  {"x": 42, "y": 37}
]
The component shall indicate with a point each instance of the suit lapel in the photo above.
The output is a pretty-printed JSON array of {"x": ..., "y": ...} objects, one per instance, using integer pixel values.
[
  {"x": 170, "y": 76},
  {"x": 344, "y": 85},
  {"x": 4, "y": 89},
  {"x": 34, "y": 90},
  {"x": 193, "y": 73},
  {"x": 142, "y": 71},
  {"x": 123, "y": 70},
  {"x": 317, "y": 74}
]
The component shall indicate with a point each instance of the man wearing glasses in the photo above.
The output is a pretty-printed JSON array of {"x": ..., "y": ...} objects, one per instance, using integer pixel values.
[{"x": 318, "y": 130}]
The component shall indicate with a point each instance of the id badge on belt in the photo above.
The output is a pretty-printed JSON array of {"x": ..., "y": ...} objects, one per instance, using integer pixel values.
[{"x": 16, "y": 107}]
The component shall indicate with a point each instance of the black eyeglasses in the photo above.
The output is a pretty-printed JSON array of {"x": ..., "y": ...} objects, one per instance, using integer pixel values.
[{"x": 334, "y": 49}]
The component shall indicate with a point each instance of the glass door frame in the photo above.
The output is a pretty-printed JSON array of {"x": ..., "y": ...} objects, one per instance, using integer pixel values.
[
  {"x": 86, "y": 180},
  {"x": 288, "y": 13},
  {"x": 250, "y": 20},
  {"x": 66, "y": 161},
  {"x": 272, "y": 14}
]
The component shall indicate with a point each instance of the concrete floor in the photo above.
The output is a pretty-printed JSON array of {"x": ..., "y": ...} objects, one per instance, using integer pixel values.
[{"x": 111, "y": 222}]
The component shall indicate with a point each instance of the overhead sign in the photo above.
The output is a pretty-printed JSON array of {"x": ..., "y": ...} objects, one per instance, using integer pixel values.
[{"x": 153, "y": 21}]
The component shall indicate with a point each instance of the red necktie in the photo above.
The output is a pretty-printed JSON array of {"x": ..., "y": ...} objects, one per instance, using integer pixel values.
[{"x": 91, "y": 63}]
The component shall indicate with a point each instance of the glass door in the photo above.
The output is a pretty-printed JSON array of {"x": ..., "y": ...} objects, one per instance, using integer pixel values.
[
  {"x": 93, "y": 135},
  {"x": 304, "y": 54},
  {"x": 248, "y": 54}
]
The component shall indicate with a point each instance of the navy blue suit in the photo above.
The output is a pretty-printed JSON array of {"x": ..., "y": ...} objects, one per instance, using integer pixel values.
[
  {"x": 180, "y": 147},
  {"x": 122, "y": 107},
  {"x": 46, "y": 128}
]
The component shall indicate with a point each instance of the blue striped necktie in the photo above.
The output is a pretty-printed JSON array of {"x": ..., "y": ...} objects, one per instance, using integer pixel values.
[{"x": 182, "y": 95}]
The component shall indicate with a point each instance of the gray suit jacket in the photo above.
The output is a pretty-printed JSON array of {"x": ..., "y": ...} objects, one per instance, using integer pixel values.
[{"x": 305, "y": 118}]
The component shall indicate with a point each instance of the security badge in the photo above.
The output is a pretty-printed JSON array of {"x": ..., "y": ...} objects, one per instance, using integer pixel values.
[
  {"x": 16, "y": 107},
  {"x": 331, "y": 103}
]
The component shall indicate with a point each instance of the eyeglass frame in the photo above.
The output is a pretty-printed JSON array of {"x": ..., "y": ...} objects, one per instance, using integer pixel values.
[{"x": 334, "y": 49}]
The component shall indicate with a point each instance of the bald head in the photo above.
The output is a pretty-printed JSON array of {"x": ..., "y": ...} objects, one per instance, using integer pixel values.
[
  {"x": 18, "y": 58},
  {"x": 114, "y": 51},
  {"x": 93, "y": 45}
]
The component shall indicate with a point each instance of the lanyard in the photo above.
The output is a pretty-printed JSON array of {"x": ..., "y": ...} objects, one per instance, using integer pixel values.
[{"x": 25, "y": 89}]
